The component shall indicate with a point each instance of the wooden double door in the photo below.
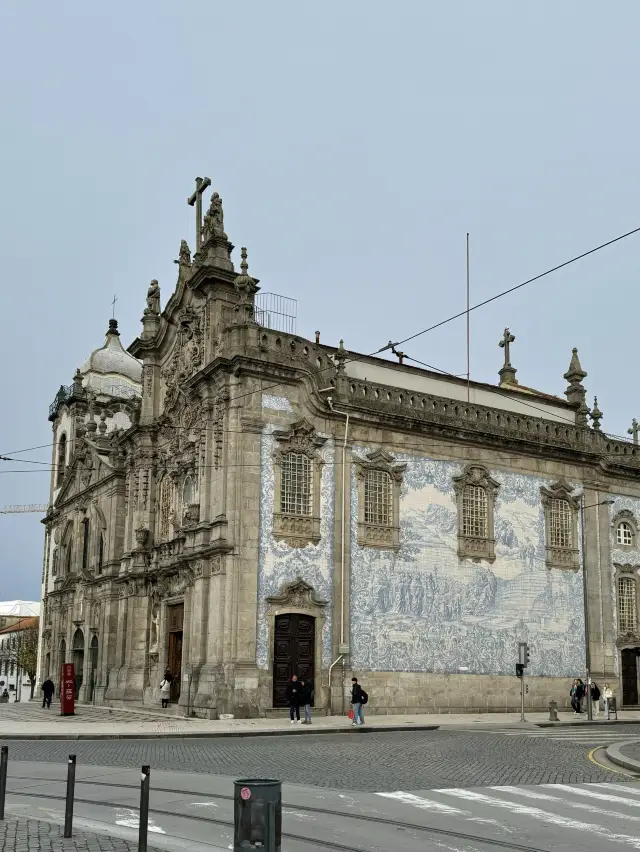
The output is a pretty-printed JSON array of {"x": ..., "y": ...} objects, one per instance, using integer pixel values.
[
  {"x": 293, "y": 653},
  {"x": 175, "y": 620},
  {"x": 629, "y": 671}
]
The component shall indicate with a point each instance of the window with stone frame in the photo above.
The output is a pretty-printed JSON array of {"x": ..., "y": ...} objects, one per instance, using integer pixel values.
[
  {"x": 54, "y": 562},
  {"x": 61, "y": 462},
  {"x": 561, "y": 526},
  {"x": 476, "y": 494},
  {"x": 625, "y": 530},
  {"x": 627, "y": 604},
  {"x": 297, "y": 477},
  {"x": 86, "y": 536},
  {"x": 379, "y": 480},
  {"x": 101, "y": 553}
]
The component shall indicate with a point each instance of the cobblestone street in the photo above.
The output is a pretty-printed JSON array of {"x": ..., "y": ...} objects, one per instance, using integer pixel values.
[
  {"x": 30, "y": 835},
  {"x": 367, "y": 762}
]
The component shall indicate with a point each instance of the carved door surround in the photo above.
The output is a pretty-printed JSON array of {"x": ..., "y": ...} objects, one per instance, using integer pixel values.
[{"x": 297, "y": 597}]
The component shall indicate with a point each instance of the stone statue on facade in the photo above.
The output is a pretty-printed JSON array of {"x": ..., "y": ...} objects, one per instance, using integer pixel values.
[
  {"x": 153, "y": 635},
  {"x": 153, "y": 298},
  {"x": 214, "y": 219}
]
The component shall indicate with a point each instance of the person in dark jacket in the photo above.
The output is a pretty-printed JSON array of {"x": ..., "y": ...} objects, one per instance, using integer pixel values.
[
  {"x": 306, "y": 699},
  {"x": 294, "y": 697},
  {"x": 577, "y": 694},
  {"x": 48, "y": 688},
  {"x": 357, "y": 699},
  {"x": 594, "y": 694}
]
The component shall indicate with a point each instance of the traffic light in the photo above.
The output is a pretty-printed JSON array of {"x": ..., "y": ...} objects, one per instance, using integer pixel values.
[
  {"x": 523, "y": 654},
  {"x": 519, "y": 670}
]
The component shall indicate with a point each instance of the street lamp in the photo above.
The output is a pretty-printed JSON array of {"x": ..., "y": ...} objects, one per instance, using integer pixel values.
[{"x": 587, "y": 650}]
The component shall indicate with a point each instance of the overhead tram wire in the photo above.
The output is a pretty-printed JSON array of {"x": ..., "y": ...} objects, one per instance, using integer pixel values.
[
  {"x": 424, "y": 331},
  {"x": 512, "y": 289}
]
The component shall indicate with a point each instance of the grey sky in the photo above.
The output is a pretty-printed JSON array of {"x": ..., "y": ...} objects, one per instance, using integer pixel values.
[{"x": 354, "y": 144}]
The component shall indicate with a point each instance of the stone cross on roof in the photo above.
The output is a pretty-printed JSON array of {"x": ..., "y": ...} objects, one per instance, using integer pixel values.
[
  {"x": 507, "y": 373},
  {"x": 635, "y": 428},
  {"x": 196, "y": 199}
]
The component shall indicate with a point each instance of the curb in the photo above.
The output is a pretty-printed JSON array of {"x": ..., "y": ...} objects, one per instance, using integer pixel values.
[
  {"x": 284, "y": 732},
  {"x": 587, "y": 724},
  {"x": 615, "y": 755}
]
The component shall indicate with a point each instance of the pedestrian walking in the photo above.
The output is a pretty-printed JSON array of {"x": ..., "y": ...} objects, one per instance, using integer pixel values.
[
  {"x": 294, "y": 696},
  {"x": 607, "y": 695},
  {"x": 165, "y": 688},
  {"x": 48, "y": 688},
  {"x": 358, "y": 698},
  {"x": 576, "y": 692},
  {"x": 307, "y": 697},
  {"x": 594, "y": 693}
]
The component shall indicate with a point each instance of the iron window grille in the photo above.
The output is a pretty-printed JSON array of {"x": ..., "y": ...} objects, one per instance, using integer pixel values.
[
  {"x": 627, "y": 604},
  {"x": 295, "y": 492},
  {"x": 377, "y": 498},
  {"x": 474, "y": 511},
  {"x": 561, "y": 526}
]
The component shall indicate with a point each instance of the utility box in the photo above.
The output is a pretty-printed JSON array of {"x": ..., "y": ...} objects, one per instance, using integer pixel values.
[{"x": 257, "y": 815}]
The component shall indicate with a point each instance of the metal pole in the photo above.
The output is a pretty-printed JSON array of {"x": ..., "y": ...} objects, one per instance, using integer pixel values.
[
  {"x": 68, "y": 805},
  {"x": 144, "y": 808},
  {"x": 522, "y": 719},
  {"x": 468, "y": 331},
  {"x": 587, "y": 650},
  {"x": 4, "y": 760},
  {"x": 270, "y": 828}
]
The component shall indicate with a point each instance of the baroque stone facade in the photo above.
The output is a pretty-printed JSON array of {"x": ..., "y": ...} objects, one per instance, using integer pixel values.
[{"x": 237, "y": 503}]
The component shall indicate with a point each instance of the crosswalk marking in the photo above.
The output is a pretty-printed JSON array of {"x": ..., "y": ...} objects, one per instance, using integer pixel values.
[
  {"x": 546, "y": 803},
  {"x": 424, "y": 804}
]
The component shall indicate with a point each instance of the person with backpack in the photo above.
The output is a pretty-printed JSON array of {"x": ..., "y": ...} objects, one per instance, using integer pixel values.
[
  {"x": 358, "y": 698},
  {"x": 307, "y": 695}
]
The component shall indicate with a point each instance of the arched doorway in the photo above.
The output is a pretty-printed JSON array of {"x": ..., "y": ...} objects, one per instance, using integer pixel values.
[
  {"x": 93, "y": 667},
  {"x": 293, "y": 652},
  {"x": 78, "y": 658}
]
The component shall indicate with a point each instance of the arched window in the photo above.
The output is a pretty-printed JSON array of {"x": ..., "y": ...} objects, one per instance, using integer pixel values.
[
  {"x": 100, "y": 553},
  {"x": 627, "y": 613},
  {"x": 54, "y": 562},
  {"x": 561, "y": 524},
  {"x": 86, "y": 533},
  {"x": 377, "y": 498},
  {"x": 68, "y": 563},
  {"x": 62, "y": 459},
  {"x": 295, "y": 487},
  {"x": 624, "y": 534},
  {"x": 474, "y": 511}
]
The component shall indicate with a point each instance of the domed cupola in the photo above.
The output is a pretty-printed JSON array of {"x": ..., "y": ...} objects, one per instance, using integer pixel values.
[{"x": 111, "y": 370}]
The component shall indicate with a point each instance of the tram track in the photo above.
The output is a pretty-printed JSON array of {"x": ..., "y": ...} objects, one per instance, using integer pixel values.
[{"x": 228, "y": 824}]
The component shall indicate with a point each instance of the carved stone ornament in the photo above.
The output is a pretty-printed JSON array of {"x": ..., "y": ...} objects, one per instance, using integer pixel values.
[
  {"x": 297, "y": 594},
  {"x": 298, "y": 529},
  {"x": 626, "y": 568},
  {"x": 563, "y": 557},
  {"x": 626, "y": 640},
  {"x": 187, "y": 354},
  {"x": 142, "y": 536},
  {"x": 153, "y": 299},
  {"x": 476, "y": 539},
  {"x": 191, "y": 515},
  {"x": 379, "y": 471}
]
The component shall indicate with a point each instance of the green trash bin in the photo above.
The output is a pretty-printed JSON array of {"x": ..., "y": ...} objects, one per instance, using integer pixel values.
[{"x": 257, "y": 815}]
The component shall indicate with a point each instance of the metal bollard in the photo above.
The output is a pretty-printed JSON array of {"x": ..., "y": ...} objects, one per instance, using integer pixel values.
[
  {"x": 4, "y": 760},
  {"x": 68, "y": 805},
  {"x": 145, "y": 783},
  {"x": 553, "y": 711}
]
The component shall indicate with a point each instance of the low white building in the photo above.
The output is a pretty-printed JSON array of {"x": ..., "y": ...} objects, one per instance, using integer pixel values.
[{"x": 16, "y": 617}]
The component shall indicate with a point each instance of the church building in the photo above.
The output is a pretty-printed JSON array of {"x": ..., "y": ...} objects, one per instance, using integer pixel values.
[{"x": 238, "y": 503}]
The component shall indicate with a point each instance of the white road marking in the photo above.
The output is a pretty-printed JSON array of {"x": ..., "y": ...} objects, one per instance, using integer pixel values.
[
  {"x": 131, "y": 819},
  {"x": 202, "y": 805},
  {"x": 591, "y": 794},
  {"x": 544, "y": 816},
  {"x": 583, "y": 806},
  {"x": 424, "y": 804}
]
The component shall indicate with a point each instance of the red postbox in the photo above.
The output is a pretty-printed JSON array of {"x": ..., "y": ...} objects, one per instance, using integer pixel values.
[{"x": 67, "y": 690}]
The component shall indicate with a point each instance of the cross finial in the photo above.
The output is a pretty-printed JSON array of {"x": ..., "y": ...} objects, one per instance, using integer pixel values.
[
  {"x": 196, "y": 199},
  {"x": 113, "y": 306},
  {"x": 504, "y": 344},
  {"x": 244, "y": 266},
  {"x": 635, "y": 428}
]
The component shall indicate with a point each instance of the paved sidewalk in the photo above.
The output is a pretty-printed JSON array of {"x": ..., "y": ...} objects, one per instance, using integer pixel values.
[
  {"x": 31, "y": 721},
  {"x": 19, "y": 834},
  {"x": 626, "y": 755}
]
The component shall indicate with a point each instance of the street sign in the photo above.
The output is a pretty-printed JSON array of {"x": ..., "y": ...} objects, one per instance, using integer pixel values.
[{"x": 67, "y": 690}]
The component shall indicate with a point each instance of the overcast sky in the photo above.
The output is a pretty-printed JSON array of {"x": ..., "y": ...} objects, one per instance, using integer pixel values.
[{"x": 354, "y": 145}]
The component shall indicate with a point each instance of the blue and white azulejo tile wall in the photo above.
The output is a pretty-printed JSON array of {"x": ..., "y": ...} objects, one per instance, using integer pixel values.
[
  {"x": 278, "y": 562},
  {"x": 422, "y": 609}
]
